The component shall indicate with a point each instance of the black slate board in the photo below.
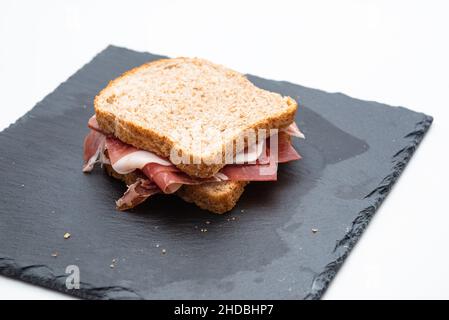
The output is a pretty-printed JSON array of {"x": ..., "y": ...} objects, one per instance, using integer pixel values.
[{"x": 353, "y": 153}]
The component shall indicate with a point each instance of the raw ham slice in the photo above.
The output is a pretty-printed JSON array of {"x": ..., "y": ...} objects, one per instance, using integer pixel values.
[
  {"x": 93, "y": 149},
  {"x": 165, "y": 177},
  {"x": 255, "y": 172},
  {"x": 286, "y": 151},
  {"x": 125, "y": 158},
  {"x": 169, "y": 178},
  {"x": 117, "y": 149},
  {"x": 137, "y": 193},
  {"x": 265, "y": 169},
  {"x": 93, "y": 124},
  {"x": 294, "y": 131}
]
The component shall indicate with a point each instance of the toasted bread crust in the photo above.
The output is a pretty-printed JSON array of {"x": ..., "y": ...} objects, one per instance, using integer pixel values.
[
  {"x": 136, "y": 134},
  {"x": 216, "y": 197}
]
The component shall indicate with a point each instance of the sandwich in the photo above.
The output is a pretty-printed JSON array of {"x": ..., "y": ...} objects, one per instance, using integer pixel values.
[{"x": 192, "y": 128}]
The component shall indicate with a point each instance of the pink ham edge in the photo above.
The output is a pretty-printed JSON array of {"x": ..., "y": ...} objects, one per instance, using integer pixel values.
[
  {"x": 265, "y": 168},
  {"x": 117, "y": 149},
  {"x": 255, "y": 172},
  {"x": 137, "y": 193},
  {"x": 294, "y": 131},
  {"x": 170, "y": 178},
  {"x": 286, "y": 151},
  {"x": 93, "y": 148},
  {"x": 93, "y": 124}
]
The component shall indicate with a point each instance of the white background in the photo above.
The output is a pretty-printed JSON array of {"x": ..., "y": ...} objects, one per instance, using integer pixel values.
[{"x": 395, "y": 52}]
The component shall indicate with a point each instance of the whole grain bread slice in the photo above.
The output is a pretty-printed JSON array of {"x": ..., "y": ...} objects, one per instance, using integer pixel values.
[
  {"x": 182, "y": 104},
  {"x": 216, "y": 197}
]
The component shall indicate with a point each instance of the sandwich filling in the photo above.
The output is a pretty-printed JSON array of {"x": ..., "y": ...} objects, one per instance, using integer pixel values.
[{"x": 159, "y": 175}]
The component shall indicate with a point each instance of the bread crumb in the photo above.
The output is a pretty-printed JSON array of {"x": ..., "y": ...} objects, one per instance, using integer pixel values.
[
  {"x": 54, "y": 254},
  {"x": 164, "y": 251},
  {"x": 314, "y": 230},
  {"x": 67, "y": 235}
]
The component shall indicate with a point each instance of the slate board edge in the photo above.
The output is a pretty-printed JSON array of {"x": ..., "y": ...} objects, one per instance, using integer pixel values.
[
  {"x": 9, "y": 268},
  {"x": 346, "y": 244}
]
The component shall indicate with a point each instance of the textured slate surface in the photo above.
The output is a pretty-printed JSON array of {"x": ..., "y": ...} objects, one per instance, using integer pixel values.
[{"x": 354, "y": 151}]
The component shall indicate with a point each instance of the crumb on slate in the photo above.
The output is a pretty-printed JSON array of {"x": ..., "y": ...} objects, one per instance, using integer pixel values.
[
  {"x": 112, "y": 265},
  {"x": 67, "y": 235}
]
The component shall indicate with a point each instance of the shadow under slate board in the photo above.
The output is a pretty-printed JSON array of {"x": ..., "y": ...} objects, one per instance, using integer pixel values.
[{"x": 264, "y": 249}]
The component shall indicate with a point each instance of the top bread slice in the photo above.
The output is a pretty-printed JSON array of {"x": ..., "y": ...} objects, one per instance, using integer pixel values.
[{"x": 174, "y": 103}]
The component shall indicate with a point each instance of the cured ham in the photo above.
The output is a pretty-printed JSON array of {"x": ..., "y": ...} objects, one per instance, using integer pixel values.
[
  {"x": 294, "y": 131},
  {"x": 170, "y": 178},
  {"x": 164, "y": 177},
  {"x": 265, "y": 169},
  {"x": 94, "y": 144},
  {"x": 126, "y": 158},
  {"x": 93, "y": 124},
  {"x": 286, "y": 152},
  {"x": 137, "y": 193},
  {"x": 257, "y": 172}
]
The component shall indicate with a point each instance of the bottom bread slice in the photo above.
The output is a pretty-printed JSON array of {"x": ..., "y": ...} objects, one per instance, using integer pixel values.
[{"x": 217, "y": 197}]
